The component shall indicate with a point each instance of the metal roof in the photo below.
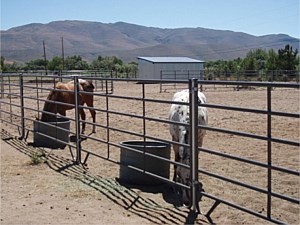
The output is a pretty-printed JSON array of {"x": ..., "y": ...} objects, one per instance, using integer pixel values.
[{"x": 170, "y": 60}]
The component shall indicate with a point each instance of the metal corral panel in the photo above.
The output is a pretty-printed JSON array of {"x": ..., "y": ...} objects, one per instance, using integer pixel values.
[{"x": 151, "y": 67}]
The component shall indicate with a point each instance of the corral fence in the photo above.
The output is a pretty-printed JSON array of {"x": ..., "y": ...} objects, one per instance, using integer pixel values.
[
  {"x": 22, "y": 97},
  {"x": 214, "y": 74},
  {"x": 94, "y": 73}
]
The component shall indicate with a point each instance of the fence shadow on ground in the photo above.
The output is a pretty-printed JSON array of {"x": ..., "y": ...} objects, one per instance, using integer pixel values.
[{"x": 123, "y": 195}]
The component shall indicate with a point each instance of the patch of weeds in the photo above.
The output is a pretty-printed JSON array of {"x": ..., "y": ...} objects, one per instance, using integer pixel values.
[{"x": 38, "y": 158}]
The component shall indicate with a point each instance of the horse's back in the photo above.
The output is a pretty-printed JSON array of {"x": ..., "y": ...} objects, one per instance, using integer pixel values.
[
  {"x": 65, "y": 86},
  {"x": 68, "y": 96}
]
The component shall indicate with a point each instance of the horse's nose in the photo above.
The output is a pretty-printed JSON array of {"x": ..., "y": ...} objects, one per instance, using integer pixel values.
[
  {"x": 186, "y": 202},
  {"x": 185, "y": 198}
]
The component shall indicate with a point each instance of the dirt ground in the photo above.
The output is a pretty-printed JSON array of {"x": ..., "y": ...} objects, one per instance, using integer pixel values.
[{"x": 56, "y": 191}]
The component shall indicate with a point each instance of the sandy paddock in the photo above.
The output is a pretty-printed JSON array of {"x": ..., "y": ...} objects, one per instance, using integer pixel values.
[{"x": 58, "y": 192}]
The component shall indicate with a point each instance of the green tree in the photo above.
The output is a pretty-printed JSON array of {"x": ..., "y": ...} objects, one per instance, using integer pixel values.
[
  {"x": 255, "y": 60},
  {"x": 2, "y": 63},
  {"x": 75, "y": 63},
  {"x": 132, "y": 67},
  {"x": 287, "y": 58},
  {"x": 272, "y": 59},
  {"x": 298, "y": 63},
  {"x": 37, "y": 64},
  {"x": 250, "y": 63},
  {"x": 238, "y": 64},
  {"x": 56, "y": 63},
  {"x": 107, "y": 63},
  {"x": 12, "y": 67}
]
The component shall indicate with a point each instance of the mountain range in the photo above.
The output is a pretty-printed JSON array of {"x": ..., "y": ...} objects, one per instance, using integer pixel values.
[{"x": 127, "y": 41}]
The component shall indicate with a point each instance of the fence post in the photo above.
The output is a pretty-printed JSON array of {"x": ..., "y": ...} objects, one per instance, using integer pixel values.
[
  {"x": 2, "y": 86},
  {"x": 77, "y": 120},
  {"x": 193, "y": 99},
  {"x": 107, "y": 119},
  {"x": 160, "y": 85},
  {"x": 269, "y": 149},
  {"x": 22, "y": 135}
]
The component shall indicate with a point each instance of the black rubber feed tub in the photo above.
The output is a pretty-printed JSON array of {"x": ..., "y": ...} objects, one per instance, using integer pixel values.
[
  {"x": 153, "y": 165},
  {"x": 51, "y": 129}
]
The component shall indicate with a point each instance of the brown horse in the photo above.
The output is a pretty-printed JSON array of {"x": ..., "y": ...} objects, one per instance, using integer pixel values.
[{"x": 68, "y": 96}]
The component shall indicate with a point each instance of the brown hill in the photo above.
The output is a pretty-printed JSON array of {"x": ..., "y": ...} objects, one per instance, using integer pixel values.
[{"x": 91, "y": 39}]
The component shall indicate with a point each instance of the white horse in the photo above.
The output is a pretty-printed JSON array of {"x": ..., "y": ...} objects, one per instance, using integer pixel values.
[{"x": 180, "y": 134}]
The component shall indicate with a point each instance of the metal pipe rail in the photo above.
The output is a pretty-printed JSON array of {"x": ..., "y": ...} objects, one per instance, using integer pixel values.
[
  {"x": 259, "y": 111},
  {"x": 250, "y": 135},
  {"x": 249, "y": 161},
  {"x": 196, "y": 170}
]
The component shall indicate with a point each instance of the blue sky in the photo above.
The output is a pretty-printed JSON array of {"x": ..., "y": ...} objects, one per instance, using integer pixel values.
[{"x": 256, "y": 17}]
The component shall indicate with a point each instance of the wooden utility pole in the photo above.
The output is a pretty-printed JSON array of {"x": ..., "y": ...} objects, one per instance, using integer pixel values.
[
  {"x": 63, "y": 53},
  {"x": 63, "y": 58},
  {"x": 45, "y": 57}
]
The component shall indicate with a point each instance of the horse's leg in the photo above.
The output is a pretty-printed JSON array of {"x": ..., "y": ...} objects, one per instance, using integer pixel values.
[
  {"x": 93, "y": 113},
  {"x": 82, "y": 114},
  {"x": 90, "y": 103},
  {"x": 63, "y": 112},
  {"x": 177, "y": 158},
  {"x": 175, "y": 188}
]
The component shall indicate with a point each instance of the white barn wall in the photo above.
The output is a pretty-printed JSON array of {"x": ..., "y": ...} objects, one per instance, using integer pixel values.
[
  {"x": 146, "y": 69},
  {"x": 175, "y": 66},
  {"x": 152, "y": 70}
]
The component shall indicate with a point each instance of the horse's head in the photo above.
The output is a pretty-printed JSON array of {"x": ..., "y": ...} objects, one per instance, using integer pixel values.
[
  {"x": 50, "y": 107},
  {"x": 184, "y": 174},
  {"x": 87, "y": 85},
  {"x": 184, "y": 177}
]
